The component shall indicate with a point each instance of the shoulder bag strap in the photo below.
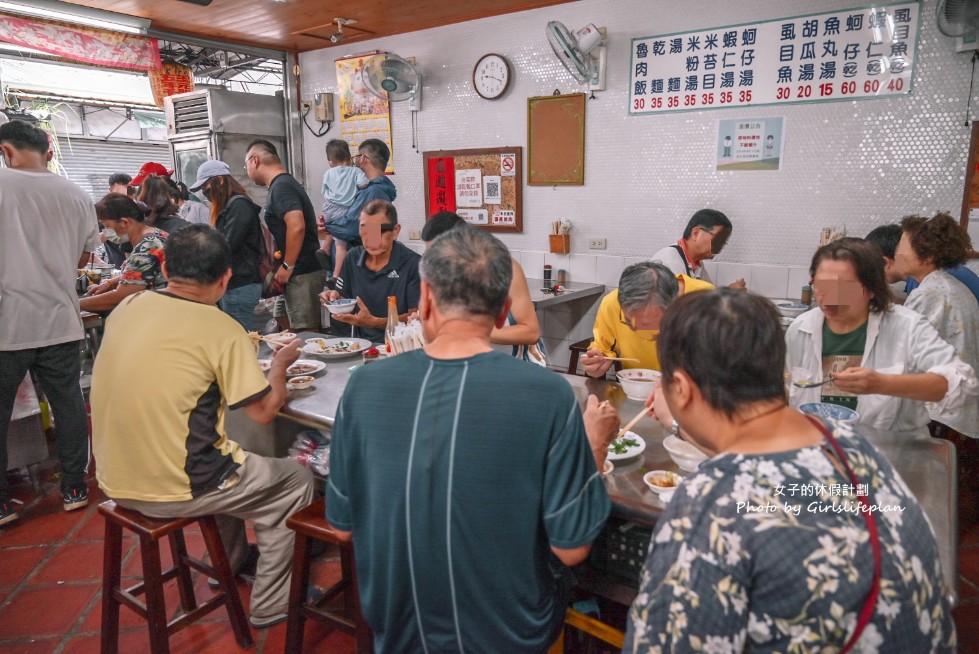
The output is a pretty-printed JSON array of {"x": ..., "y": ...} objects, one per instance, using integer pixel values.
[{"x": 870, "y": 604}]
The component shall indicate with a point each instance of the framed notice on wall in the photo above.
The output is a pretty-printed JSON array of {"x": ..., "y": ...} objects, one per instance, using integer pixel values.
[
  {"x": 846, "y": 54},
  {"x": 556, "y": 140},
  {"x": 483, "y": 186}
]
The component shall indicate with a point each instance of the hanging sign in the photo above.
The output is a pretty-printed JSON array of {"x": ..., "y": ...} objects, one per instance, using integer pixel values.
[
  {"x": 171, "y": 79},
  {"x": 850, "y": 54}
]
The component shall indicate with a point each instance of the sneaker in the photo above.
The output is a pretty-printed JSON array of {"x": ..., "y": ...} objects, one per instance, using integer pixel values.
[
  {"x": 247, "y": 570},
  {"x": 267, "y": 621},
  {"x": 75, "y": 497},
  {"x": 7, "y": 513}
]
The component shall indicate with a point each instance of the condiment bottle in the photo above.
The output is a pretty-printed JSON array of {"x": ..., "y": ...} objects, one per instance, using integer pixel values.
[
  {"x": 806, "y": 297},
  {"x": 547, "y": 274},
  {"x": 392, "y": 323}
]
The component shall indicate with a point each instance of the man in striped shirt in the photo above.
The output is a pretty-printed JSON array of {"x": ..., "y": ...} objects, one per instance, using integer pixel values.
[{"x": 464, "y": 476}]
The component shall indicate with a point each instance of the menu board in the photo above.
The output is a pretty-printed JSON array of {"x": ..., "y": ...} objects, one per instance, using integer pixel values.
[
  {"x": 850, "y": 54},
  {"x": 482, "y": 186}
]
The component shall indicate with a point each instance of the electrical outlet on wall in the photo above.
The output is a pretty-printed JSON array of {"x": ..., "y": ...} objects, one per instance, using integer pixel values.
[
  {"x": 414, "y": 235},
  {"x": 596, "y": 244},
  {"x": 305, "y": 106}
]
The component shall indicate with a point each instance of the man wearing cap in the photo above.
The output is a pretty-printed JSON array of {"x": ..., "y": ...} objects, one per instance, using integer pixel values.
[
  {"x": 237, "y": 219},
  {"x": 150, "y": 168},
  {"x": 291, "y": 218}
]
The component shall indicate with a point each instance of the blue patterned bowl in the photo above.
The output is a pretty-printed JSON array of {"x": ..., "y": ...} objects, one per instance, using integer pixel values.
[{"x": 831, "y": 411}]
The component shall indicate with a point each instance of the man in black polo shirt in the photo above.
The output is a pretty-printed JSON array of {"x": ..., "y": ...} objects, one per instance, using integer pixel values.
[
  {"x": 292, "y": 221},
  {"x": 379, "y": 268}
]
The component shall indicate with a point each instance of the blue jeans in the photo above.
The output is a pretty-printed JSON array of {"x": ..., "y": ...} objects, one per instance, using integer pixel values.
[{"x": 239, "y": 303}]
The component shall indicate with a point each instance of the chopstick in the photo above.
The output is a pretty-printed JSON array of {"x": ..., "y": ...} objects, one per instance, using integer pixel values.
[
  {"x": 632, "y": 423},
  {"x": 622, "y": 359}
]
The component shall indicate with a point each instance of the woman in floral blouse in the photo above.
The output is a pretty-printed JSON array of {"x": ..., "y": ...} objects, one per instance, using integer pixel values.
[
  {"x": 760, "y": 550},
  {"x": 143, "y": 269}
]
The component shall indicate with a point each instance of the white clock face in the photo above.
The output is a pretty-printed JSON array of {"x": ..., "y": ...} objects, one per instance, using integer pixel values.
[{"x": 491, "y": 77}]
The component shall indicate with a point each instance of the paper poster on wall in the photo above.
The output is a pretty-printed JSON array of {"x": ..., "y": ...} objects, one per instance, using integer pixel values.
[
  {"x": 474, "y": 216},
  {"x": 508, "y": 164},
  {"x": 491, "y": 190},
  {"x": 974, "y": 226},
  {"x": 750, "y": 143},
  {"x": 844, "y": 54},
  {"x": 469, "y": 188},
  {"x": 503, "y": 217},
  {"x": 363, "y": 115}
]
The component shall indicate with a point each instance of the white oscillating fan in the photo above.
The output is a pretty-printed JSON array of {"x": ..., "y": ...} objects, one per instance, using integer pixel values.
[
  {"x": 581, "y": 53},
  {"x": 393, "y": 78}
]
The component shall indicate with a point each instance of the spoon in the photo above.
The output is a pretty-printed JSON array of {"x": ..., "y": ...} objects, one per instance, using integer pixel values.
[{"x": 812, "y": 384}]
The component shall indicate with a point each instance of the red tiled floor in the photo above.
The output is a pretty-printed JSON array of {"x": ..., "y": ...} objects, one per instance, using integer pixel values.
[
  {"x": 72, "y": 562},
  {"x": 18, "y": 562},
  {"x": 44, "y": 646},
  {"x": 44, "y": 611},
  {"x": 47, "y": 526}
]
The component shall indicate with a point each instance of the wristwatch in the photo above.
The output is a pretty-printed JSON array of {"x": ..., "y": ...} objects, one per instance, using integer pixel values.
[
  {"x": 675, "y": 429},
  {"x": 286, "y": 266}
]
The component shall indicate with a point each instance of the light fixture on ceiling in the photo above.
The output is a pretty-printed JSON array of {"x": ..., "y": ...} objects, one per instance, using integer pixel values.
[
  {"x": 66, "y": 13},
  {"x": 337, "y": 36}
]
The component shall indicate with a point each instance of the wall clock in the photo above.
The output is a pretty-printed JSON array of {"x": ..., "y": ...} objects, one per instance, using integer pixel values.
[{"x": 491, "y": 76}]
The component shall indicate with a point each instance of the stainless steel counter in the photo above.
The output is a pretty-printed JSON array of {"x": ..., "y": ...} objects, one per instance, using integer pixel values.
[
  {"x": 927, "y": 465},
  {"x": 575, "y": 290}
]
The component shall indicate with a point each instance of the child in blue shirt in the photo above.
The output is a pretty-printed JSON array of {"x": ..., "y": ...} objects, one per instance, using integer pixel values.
[{"x": 341, "y": 183}]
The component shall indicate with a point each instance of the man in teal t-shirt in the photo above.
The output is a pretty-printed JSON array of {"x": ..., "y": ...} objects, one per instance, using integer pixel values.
[{"x": 464, "y": 476}]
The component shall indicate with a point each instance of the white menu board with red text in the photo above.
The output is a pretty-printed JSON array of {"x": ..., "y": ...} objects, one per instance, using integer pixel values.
[{"x": 850, "y": 54}]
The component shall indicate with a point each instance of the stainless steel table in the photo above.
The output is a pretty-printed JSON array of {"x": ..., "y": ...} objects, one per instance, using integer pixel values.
[
  {"x": 575, "y": 291},
  {"x": 927, "y": 465}
]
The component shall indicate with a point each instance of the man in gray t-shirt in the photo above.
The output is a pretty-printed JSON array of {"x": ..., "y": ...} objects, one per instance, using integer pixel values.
[
  {"x": 464, "y": 476},
  {"x": 48, "y": 230}
]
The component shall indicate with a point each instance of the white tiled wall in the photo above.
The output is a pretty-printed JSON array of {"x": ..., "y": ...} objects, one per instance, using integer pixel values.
[{"x": 856, "y": 164}]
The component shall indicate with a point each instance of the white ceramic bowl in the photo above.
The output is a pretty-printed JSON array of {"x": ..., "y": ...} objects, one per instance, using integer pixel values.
[
  {"x": 831, "y": 411},
  {"x": 343, "y": 305},
  {"x": 638, "y": 383},
  {"x": 790, "y": 309},
  {"x": 684, "y": 455},
  {"x": 661, "y": 481},
  {"x": 300, "y": 383},
  {"x": 608, "y": 467}
]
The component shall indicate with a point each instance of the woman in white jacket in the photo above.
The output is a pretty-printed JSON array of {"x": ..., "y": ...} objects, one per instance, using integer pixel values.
[{"x": 885, "y": 361}]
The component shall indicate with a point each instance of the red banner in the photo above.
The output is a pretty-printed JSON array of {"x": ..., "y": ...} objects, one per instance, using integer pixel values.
[
  {"x": 441, "y": 185},
  {"x": 85, "y": 44}
]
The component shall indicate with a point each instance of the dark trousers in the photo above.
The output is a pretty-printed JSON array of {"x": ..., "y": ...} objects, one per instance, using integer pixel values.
[{"x": 58, "y": 369}]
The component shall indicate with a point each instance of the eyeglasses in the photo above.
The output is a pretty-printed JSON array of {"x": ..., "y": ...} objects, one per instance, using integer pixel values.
[
  {"x": 359, "y": 156},
  {"x": 247, "y": 159}
]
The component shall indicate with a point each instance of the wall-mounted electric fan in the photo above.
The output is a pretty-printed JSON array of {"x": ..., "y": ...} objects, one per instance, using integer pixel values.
[
  {"x": 393, "y": 78},
  {"x": 581, "y": 52}
]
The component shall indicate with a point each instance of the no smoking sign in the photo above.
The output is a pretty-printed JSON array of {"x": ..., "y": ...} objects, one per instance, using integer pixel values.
[{"x": 508, "y": 165}]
